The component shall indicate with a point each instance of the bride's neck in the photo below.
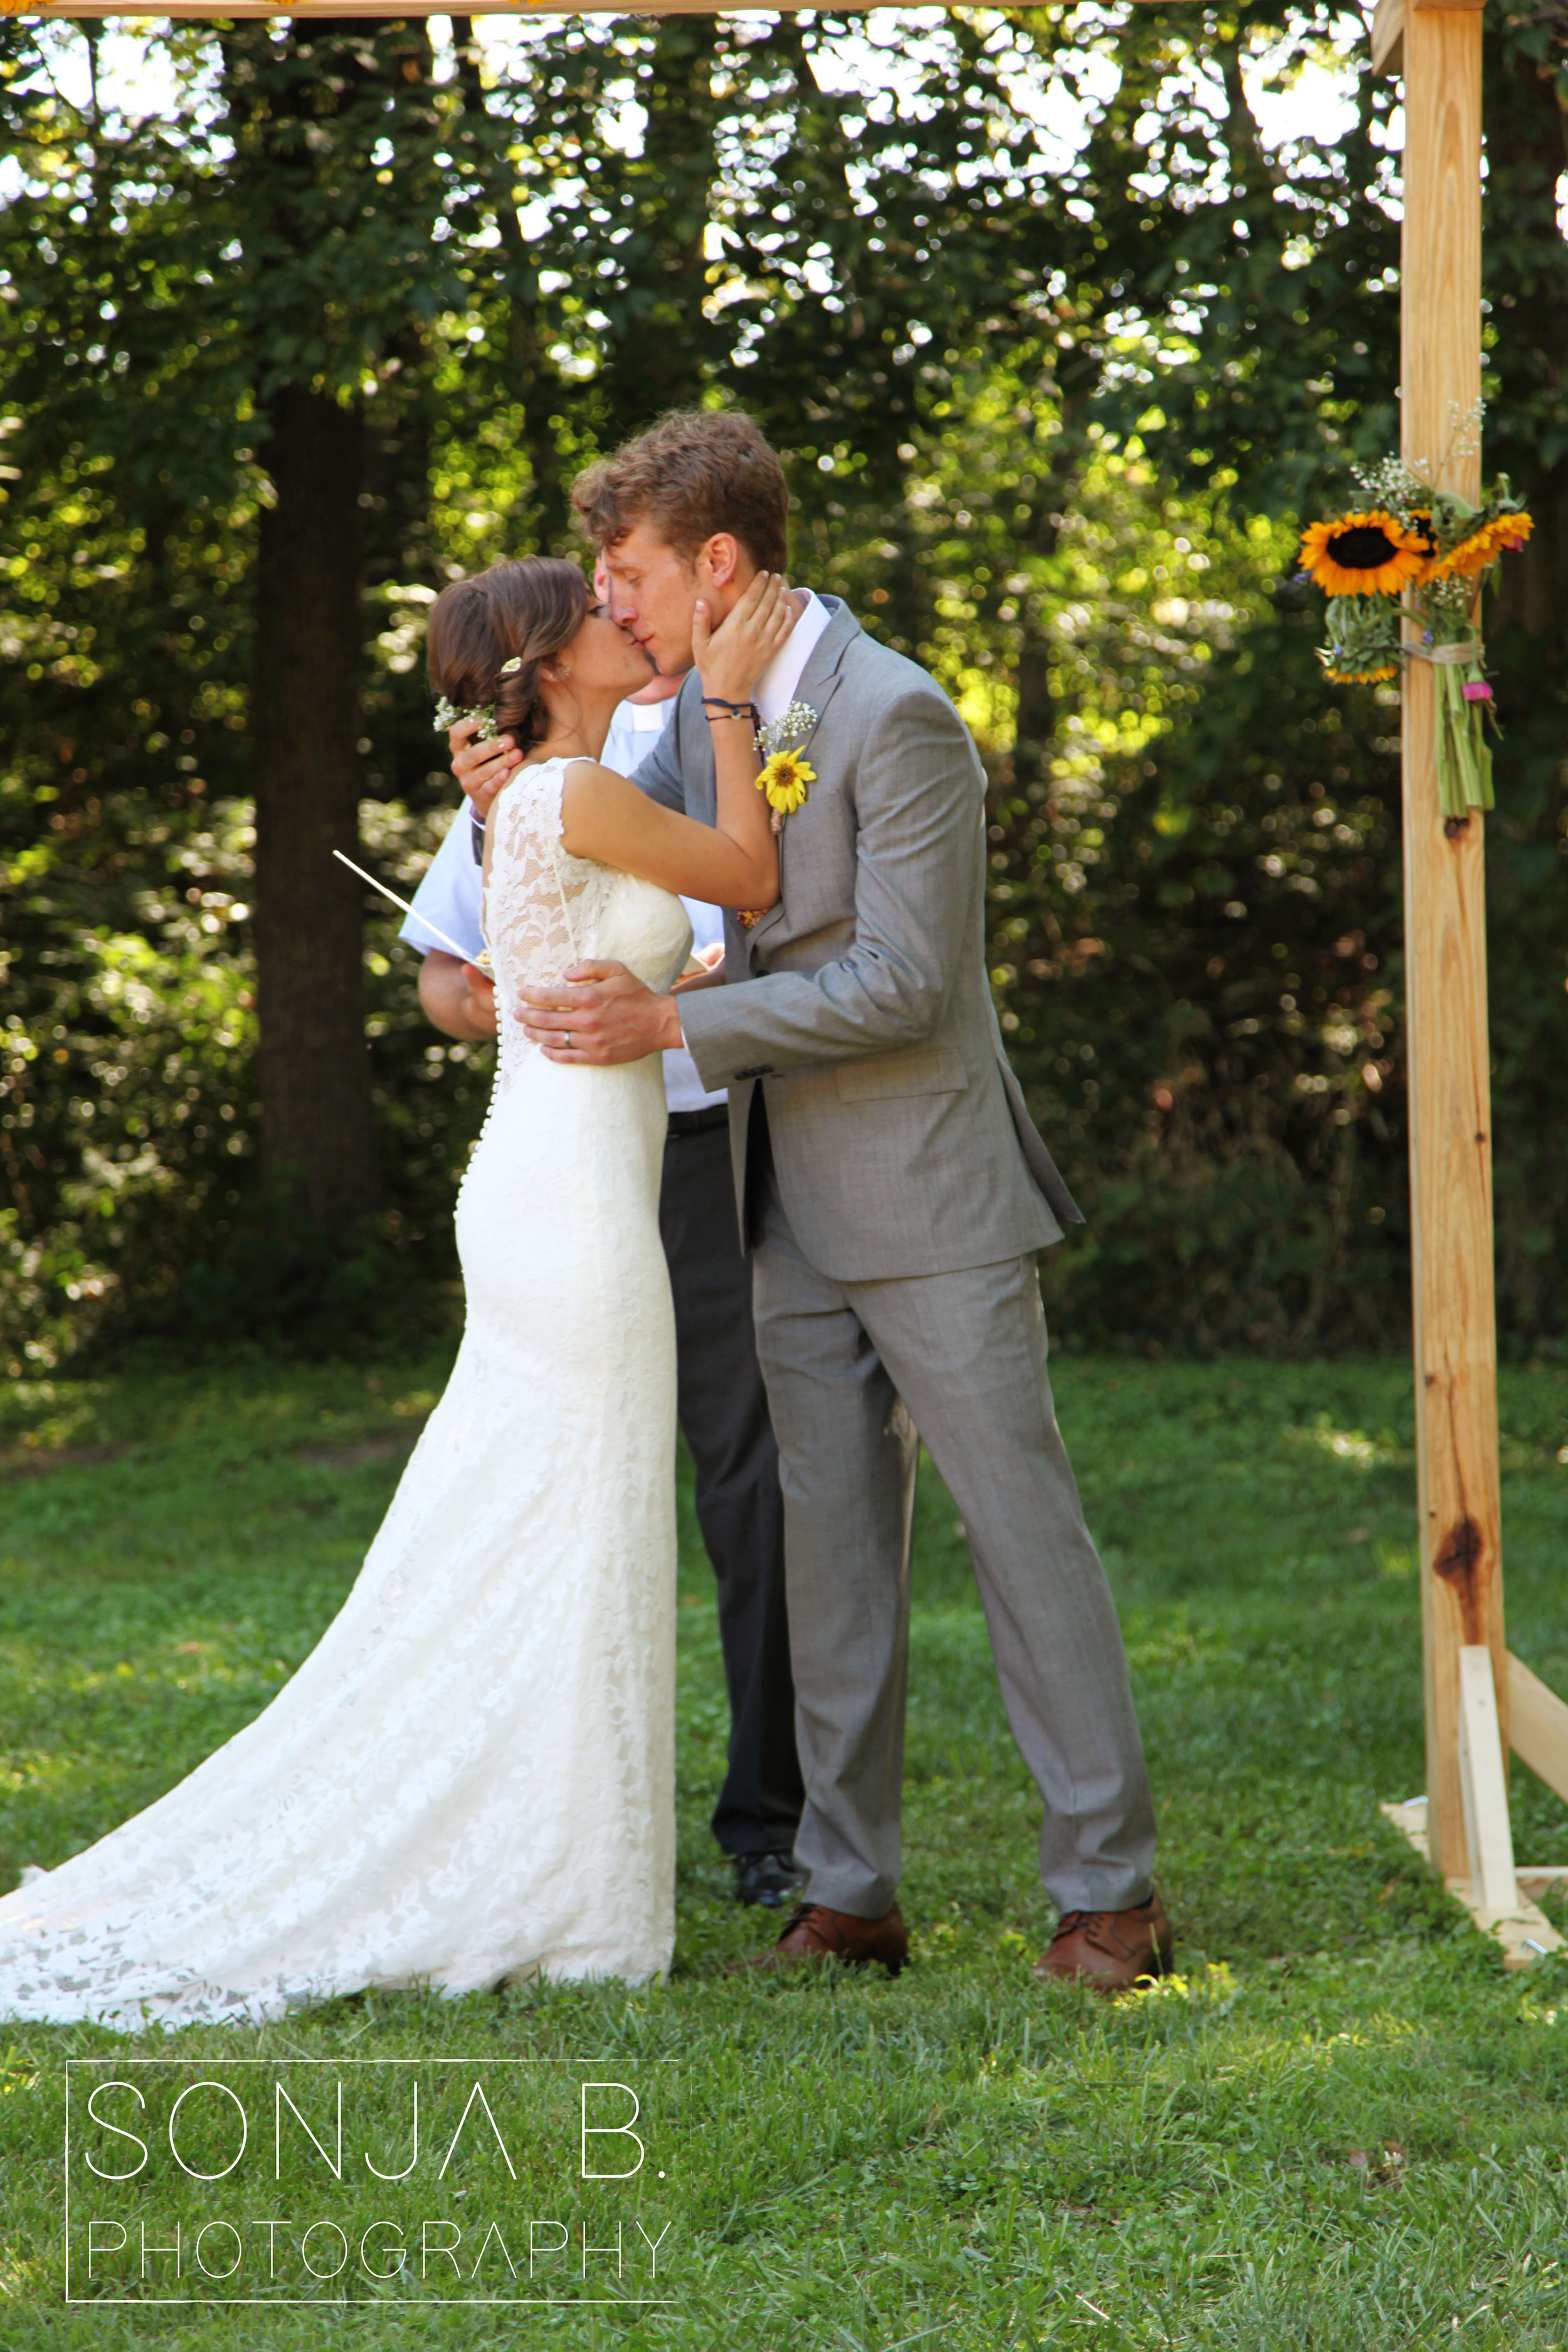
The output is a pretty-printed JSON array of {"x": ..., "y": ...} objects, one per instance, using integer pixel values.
[{"x": 575, "y": 735}]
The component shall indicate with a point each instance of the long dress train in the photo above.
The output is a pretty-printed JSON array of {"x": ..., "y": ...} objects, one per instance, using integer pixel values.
[{"x": 471, "y": 1777}]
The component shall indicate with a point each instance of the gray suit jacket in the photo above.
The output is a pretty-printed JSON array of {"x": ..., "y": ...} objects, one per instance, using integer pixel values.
[{"x": 900, "y": 1140}]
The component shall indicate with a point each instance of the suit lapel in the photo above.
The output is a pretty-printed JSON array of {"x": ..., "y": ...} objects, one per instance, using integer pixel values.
[
  {"x": 698, "y": 777},
  {"x": 819, "y": 682},
  {"x": 819, "y": 678}
]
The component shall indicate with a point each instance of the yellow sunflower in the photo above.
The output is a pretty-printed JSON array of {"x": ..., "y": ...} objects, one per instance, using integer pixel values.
[
  {"x": 1502, "y": 535},
  {"x": 787, "y": 780},
  {"x": 1369, "y": 554},
  {"x": 1360, "y": 676}
]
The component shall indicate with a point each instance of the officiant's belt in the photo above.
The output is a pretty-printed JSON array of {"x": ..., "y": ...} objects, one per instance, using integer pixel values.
[{"x": 697, "y": 1122}]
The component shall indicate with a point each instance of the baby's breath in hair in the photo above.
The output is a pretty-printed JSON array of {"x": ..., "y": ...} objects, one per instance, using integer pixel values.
[{"x": 483, "y": 713}]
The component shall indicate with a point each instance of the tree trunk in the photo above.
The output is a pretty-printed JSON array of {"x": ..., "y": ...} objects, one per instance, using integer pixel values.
[{"x": 318, "y": 1144}]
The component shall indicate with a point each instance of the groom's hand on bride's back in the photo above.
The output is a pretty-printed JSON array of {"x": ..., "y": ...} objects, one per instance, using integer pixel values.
[
  {"x": 481, "y": 768},
  {"x": 600, "y": 1012},
  {"x": 458, "y": 999}
]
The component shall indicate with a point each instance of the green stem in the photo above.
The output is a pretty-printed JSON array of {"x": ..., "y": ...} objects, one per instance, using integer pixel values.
[{"x": 1464, "y": 756}]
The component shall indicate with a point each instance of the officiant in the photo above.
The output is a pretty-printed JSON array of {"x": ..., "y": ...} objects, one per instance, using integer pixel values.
[{"x": 721, "y": 1402}]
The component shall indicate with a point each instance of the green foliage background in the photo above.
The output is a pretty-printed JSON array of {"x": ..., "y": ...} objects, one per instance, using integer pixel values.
[{"x": 1057, "y": 349}]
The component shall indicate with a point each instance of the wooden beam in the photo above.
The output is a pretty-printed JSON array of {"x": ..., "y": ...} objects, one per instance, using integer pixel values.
[
  {"x": 1388, "y": 30},
  {"x": 1489, "y": 1839},
  {"x": 1525, "y": 1933},
  {"x": 1444, "y": 946},
  {"x": 1538, "y": 1726},
  {"x": 301, "y": 9},
  {"x": 1388, "y": 36},
  {"x": 307, "y": 9}
]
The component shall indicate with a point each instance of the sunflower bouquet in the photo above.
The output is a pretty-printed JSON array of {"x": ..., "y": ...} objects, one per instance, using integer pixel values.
[{"x": 1412, "y": 553}]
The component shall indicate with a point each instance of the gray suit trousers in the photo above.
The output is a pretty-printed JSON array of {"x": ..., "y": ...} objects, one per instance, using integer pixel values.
[{"x": 965, "y": 1354}]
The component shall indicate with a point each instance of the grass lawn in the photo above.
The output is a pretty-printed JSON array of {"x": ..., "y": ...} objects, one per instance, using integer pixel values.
[{"x": 1341, "y": 2125}]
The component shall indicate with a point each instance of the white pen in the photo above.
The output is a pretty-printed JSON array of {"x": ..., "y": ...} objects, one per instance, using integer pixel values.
[{"x": 480, "y": 961}]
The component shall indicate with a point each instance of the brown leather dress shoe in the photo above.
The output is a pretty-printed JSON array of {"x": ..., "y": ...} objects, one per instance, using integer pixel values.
[
  {"x": 816, "y": 1933},
  {"x": 1110, "y": 1950}
]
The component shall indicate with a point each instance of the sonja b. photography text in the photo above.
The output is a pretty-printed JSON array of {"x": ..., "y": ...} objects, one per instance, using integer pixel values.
[{"x": 195, "y": 2180}]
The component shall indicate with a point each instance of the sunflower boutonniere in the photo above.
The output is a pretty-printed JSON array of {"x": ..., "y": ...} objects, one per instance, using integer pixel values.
[
  {"x": 786, "y": 779},
  {"x": 786, "y": 775}
]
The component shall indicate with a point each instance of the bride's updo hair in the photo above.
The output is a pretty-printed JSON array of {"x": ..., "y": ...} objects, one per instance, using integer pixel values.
[{"x": 525, "y": 612}]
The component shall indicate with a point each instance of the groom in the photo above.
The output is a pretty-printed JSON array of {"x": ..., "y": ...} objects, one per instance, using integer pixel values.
[{"x": 894, "y": 1194}]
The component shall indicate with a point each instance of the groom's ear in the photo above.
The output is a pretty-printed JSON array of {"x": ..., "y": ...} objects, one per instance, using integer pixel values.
[{"x": 718, "y": 561}]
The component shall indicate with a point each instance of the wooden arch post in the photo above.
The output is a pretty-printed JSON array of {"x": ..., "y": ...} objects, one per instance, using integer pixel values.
[
  {"x": 1444, "y": 944},
  {"x": 1472, "y": 1688}
]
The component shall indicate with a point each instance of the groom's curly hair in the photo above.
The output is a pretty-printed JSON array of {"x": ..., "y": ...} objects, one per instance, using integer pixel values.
[
  {"x": 696, "y": 472},
  {"x": 527, "y": 612}
]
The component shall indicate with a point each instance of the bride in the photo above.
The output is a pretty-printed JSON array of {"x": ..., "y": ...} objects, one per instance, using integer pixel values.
[{"x": 472, "y": 1775}]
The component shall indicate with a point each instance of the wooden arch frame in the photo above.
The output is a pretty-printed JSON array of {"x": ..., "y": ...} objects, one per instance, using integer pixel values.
[{"x": 1480, "y": 1699}]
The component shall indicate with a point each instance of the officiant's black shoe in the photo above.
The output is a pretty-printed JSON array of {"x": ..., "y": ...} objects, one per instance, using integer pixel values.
[{"x": 770, "y": 1879}]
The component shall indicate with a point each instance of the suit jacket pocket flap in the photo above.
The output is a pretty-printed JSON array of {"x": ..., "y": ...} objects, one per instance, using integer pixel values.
[{"x": 913, "y": 1070}]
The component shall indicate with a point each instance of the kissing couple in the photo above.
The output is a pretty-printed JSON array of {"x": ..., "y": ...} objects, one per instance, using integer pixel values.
[{"x": 471, "y": 1777}]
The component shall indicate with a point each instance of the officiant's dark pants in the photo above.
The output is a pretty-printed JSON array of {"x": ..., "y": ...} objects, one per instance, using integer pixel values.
[{"x": 724, "y": 1410}]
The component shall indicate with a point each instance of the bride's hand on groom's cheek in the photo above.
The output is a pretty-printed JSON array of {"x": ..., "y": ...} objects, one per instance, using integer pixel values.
[
  {"x": 481, "y": 768},
  {"x": 599, "y": 1014}
]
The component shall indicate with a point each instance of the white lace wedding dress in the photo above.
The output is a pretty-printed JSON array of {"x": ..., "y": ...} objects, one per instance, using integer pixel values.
[{"x": 472, "y": 1775}]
